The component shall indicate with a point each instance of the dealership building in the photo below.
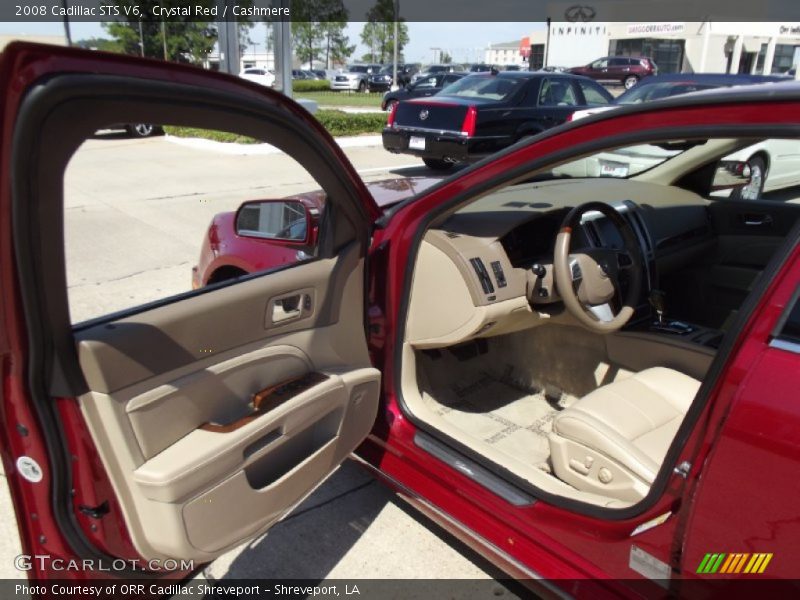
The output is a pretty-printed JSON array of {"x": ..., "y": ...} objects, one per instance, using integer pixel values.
[{"x": 688, "y": 47}]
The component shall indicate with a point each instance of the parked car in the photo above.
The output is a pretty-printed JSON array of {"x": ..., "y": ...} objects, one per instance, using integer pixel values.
[
  {"x": 238, "y": 243},
  {"x": 513, "y": 68},
  {"x": 137, "y": 129},
  {"x": 426, "y": 86},
  {"x": 382, "y": 81},
  {"x": 773, "y": 165},
  {"x": 491, "y": 348},
  {"x": 320, "y": 73},
  {"x": 666, "y": 86},
  {"x": 485, "y": 112},
  {"x": 434, "y": 69},
  {"x": 625, "y": 70},
  {"x": 258, "y": 75},
  {"x": 479, "y": 68},
  {"x": 355, "y": 79}
]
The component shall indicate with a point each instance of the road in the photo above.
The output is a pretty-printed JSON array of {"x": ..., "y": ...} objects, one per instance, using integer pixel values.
[{"x": 135, "y": 213}]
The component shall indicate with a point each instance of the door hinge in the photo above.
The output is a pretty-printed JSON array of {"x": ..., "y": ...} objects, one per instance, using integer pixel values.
[
  {"x": 683, "y": 469},
  {"x": 96, "y": 512}
]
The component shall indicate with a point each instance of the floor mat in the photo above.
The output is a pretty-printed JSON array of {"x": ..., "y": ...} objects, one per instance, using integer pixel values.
[{"x": 514, "y": 419}]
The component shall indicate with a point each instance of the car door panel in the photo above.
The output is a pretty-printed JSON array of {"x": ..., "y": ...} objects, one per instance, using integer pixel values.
[
  {"x": 748, "y": 233},
  {"x": 213, "y": 413}
]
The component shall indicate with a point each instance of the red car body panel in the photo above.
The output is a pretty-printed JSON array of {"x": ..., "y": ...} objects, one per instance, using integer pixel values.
[
  {"x": 557, "y": 543},
  {"x": 744, "y": 437}
]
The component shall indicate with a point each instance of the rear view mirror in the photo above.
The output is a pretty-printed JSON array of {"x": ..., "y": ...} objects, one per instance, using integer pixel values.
[
  {"x": 285, "y": 220},
  {"x": 730, "y": 174}
]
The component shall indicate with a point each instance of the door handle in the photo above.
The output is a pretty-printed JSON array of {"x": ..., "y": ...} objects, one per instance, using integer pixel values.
[
  {"x": 753, "y": 220},
  {"x": 288, "y": 307}
]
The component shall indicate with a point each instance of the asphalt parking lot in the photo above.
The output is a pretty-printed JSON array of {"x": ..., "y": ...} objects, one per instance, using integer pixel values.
[{"x": 135, "y": 214}]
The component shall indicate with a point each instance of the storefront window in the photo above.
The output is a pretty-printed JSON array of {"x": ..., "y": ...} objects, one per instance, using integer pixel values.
[
  {"x": 785, "y": 57},
  {"x": 537, "y": 57},
  {"x": 667, "y": 54}
]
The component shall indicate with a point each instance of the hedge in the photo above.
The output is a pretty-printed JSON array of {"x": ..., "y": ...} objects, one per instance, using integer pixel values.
[
  {"x": 337, "y": 122},
  {"x": 311, "y": 85}
]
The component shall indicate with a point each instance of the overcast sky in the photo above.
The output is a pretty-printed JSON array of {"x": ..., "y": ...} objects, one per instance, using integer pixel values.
[{"x": 464, "y": 41}]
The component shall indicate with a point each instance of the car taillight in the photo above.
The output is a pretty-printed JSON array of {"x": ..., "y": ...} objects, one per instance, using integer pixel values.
[
  {"x": 470, "y": 121},
  {"x": 569, "y": 117},
  {"x": 392, "y": 111}
]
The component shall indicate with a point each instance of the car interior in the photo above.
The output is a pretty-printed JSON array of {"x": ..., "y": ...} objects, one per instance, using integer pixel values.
[{"x": 559, "y": 329}]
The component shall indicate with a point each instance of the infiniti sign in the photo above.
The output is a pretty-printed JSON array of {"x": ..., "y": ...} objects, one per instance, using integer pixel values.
[{"x": 579, "y": 13}]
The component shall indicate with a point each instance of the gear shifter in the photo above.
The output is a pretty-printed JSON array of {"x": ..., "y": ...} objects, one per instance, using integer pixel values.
[{"x": 658, "y": 300}]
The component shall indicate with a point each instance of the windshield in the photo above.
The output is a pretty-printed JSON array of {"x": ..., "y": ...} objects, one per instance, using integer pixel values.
[
  {"x": 483, "y": 87},
  {"x": 665, "y": 89},
  {"x": 627, "y": 161},
  {"x": 357, "y": 69}
]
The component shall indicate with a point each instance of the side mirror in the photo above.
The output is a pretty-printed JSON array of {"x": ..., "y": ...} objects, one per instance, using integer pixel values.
[
  {"x": 280, "y": 220},
  {"x": 730, "y": 174}
]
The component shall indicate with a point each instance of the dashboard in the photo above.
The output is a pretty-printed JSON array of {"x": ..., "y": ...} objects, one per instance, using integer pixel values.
[{"x": 487, "y": 268}]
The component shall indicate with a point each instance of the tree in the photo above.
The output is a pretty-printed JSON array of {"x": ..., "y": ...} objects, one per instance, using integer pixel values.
[
  {"x": 96, "y": 43},
  {"x": 337, "y": 45},
  {"x": 175, "y": 40},
  {"x": 378, "y": 32},
  {"x": 318, "y": 30},
  {"x": 445, "y": 58}
]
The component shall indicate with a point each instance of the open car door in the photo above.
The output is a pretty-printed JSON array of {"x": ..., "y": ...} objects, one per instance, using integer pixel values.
[{"x": 183, "y": 427}]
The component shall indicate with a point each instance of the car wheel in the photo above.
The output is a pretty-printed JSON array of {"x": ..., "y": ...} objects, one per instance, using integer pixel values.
[
  {"x": 437, "y": 164},
  {"x": 391, "y": 104},
  {"x": 362, "y": 87},
  {"x": 630, "y": 81},
  {"x": 758, "y": 176},
  {"x": 141, "y": 129}
]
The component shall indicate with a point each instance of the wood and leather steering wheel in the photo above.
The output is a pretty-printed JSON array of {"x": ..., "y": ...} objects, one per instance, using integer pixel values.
[{"x": 588, "y": 278}]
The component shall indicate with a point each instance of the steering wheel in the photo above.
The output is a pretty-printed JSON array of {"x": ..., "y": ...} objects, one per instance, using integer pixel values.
[{"x": 588, "y": 279}]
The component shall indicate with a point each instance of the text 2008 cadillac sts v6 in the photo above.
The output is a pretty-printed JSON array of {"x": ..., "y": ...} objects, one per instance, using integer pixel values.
[{"x": 487, "y": 347}]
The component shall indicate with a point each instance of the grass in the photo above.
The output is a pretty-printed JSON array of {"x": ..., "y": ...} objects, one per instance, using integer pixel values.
[
  {"x": 338, "y": 123},
  {"x": 330, "y": 98}
]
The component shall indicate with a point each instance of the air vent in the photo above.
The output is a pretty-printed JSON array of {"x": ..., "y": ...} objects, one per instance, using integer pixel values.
[{"x": 483, "y": 275}]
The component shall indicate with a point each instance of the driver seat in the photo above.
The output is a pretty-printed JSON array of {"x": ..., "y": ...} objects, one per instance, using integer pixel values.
[{"x": 613, "y": 440}]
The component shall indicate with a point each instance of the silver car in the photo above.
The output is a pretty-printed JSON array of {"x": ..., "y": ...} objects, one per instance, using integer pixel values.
[{"x": 355, "y": 78}]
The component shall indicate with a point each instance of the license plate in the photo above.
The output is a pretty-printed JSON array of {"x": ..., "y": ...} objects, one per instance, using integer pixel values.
[
  {"x": 417, "y": 143},
  {"x": 613, "y": 169}
]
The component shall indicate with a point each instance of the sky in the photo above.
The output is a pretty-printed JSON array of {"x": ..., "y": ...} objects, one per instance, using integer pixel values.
[{"x": 465, "y": 42}]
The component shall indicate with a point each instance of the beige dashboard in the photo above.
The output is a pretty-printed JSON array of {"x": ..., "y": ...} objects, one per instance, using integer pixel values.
[{"x": 466, "y": 286}]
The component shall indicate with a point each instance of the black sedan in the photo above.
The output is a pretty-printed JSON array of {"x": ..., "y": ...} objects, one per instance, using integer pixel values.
[
  {"x": 427, "y": 86},
  {"x": 482, "y": 113}
]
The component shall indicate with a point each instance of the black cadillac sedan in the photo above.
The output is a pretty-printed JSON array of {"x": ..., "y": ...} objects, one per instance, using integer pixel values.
[{"x": 485, "y": 112}]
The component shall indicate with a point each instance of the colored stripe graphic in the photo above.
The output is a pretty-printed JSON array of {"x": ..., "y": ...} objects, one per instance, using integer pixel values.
[{"x": 737, "y": 562}]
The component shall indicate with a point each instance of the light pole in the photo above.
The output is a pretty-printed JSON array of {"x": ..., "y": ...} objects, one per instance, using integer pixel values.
[
  {"x": 395, "y": 85},
  {"x": 67, "y": 33},
  {"x": 435, "y": 50}
]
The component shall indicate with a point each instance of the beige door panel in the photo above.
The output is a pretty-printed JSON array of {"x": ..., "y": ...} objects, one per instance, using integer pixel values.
[{"x": 214, "y": 418}]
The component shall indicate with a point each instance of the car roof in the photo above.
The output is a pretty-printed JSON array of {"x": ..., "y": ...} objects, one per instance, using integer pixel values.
[{"x": 712, "y": 78}]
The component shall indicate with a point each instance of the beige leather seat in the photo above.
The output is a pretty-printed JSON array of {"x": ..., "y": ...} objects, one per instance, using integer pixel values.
[{"x": 613, "y": 440}]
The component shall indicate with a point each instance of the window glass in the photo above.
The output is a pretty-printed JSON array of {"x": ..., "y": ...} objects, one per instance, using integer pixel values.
[
  {"x": 148, "y": 218},
  {"x": 599, "y": 64},
  {"x": 591, "y": 94},
  {"x": 791, "y": 327},
  {"x": 557, "y": 92},
  {"x": 489, "y": 87}
]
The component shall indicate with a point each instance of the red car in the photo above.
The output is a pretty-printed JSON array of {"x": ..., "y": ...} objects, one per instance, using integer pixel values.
[
  {"x": 233, "y": 247},
  {"x": 591, "y": 381},
  {"x": 625, "y": 70}
]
